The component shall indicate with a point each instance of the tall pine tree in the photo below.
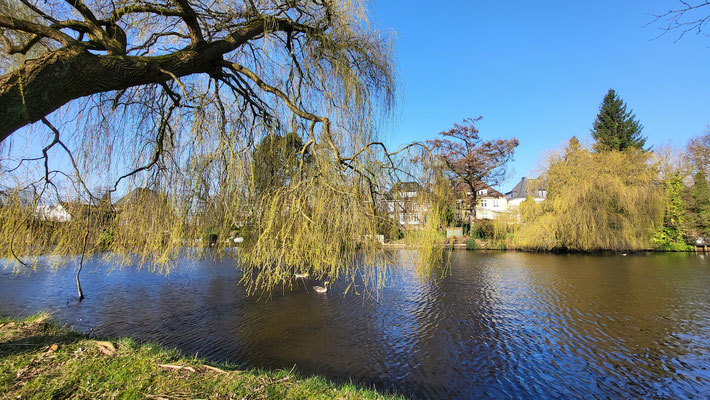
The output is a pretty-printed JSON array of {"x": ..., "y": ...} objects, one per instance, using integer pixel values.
[{"x": 615, "y": 128}]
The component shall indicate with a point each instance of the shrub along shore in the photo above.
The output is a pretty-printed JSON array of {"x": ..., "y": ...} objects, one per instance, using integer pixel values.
[
  {"x": 40, "y": 359},
  {"x": 467, "y": 243}
]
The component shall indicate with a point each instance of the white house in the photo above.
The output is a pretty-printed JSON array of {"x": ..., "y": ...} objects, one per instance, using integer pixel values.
[
  {"x": 490, "y": 202},
  {"x": 55, "y": 213},
  {"x": 404, "y": 204},
  {"x": 526, "y": 187}
]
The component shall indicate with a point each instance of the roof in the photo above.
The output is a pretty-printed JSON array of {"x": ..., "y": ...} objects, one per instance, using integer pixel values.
[
  {"x": 407, "y": 187},
  {"x": 137, "y": 195},
  {"x": 461, "y": 188},
  {"x": 525, "y": 188},
  {"x": 403, "y": 187}
]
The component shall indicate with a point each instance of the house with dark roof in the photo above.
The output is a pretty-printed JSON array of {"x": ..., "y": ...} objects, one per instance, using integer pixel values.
[
  {"x": 140, "y": 201},
  {"x": 534, "y": 188},
  {"x": 490, "y": 202},
  {"x": 138, "y": 196},
  {"x": 404, "y": 204}
]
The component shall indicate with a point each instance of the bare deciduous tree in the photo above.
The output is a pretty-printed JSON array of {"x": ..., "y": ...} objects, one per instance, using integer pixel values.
[
  {"x": 688, "y": 17},
  {"x": 699, "y": 152},
  {"x": 472, "y": 161}
]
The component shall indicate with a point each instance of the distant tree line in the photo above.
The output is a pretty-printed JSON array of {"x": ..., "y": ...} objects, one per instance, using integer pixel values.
[{"x": 617, "y": 194}]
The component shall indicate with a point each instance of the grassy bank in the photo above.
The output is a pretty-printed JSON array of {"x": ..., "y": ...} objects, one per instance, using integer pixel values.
[{"x": 40, "y": 359}]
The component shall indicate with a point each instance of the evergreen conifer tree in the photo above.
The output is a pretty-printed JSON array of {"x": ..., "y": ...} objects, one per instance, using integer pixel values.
[{"x": 615, "y": 128}]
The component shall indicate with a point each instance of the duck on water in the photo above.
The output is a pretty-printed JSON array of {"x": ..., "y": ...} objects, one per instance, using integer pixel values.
[{"x": 321, "y": 289}]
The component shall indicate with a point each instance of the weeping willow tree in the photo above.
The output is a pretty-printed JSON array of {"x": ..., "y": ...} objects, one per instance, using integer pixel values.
[
  {"x": 169, "y": 98},
  {"x": 595, "y": 201}
]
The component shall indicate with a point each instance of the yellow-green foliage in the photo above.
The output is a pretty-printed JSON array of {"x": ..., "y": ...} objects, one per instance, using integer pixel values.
[
  {"x": 596, "y": 201},
  {"x": 320, "y": 226},
  {"x": 322, "y": 222},
  {"x": 191, "y": 141},
  {"x": 429, "y": 256},
  {"x": 143, "y": 231},
  {"x": 505, "y": 225}
]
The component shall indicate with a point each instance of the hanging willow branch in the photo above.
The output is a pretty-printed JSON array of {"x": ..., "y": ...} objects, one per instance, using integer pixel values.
[{"x": 162, "y": 109}]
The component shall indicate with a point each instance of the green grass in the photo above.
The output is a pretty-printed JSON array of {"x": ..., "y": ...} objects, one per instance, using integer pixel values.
[{"x": 40, "y": 359}]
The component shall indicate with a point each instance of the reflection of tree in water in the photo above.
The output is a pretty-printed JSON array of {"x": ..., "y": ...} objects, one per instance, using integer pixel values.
[
  {"x": 612, "y": 313},
  {"x": 501, "y": 325}
]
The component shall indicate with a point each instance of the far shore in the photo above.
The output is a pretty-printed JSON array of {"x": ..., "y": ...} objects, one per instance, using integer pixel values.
[{"x": 462, "y": 246}]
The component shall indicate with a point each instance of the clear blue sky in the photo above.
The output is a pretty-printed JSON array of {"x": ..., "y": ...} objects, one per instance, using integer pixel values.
[{"x": 538, "y": 70}]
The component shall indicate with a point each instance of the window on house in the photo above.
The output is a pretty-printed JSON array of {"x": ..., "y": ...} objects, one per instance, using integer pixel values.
[{"x": 484, "y": 203}]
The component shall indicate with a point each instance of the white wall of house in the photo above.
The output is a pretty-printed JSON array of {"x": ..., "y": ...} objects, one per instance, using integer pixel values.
[
  {"x": 487, "y": 207},
  {"x": 515, "y": 203},
  {"x": 55, "y": 213},
  {"x": 407, "y": 212},
  {"x": 410, "y": 213},
  {"x": 490, "y": 207}
]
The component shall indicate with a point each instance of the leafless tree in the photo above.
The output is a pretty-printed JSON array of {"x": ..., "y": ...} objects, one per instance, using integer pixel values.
[
  {"x": 472, "y": 161},
  {"x": 688, "y": 17},
  {"x": 699, "y": 152}
]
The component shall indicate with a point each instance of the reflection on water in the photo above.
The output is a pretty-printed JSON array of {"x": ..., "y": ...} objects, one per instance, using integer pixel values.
[{"x": 502, "y": 325}]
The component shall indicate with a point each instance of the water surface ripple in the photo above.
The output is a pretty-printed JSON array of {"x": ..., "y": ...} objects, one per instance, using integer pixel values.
[{"x": 501, "y": 325}]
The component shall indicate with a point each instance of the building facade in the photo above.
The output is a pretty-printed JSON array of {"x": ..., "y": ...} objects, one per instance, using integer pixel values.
[{"x": 534, "y": 188}]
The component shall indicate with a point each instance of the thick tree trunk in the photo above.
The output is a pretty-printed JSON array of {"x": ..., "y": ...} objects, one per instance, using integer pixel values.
[
  {"x": 472, "y": 213},
  {"x": 472, "y": 200},
  {"x": 472, "y": 210},
  {"x": 44, "y": 84}
]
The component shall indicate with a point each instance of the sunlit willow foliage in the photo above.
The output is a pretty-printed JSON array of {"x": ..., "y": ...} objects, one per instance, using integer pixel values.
[
  {"x": 671, "y": 236},
  {"x": 179, "y": 145},
  {"x": 428, "y": 238},
  {"x": 595, "y": 201},
  {"x": 687, "y": 212}
]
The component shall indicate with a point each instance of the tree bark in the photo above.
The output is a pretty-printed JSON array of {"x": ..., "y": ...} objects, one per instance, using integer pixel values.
[
  {"x": 44, "y": 84},
  {"x": 472, "y": 200},
  {"x": 472, "y": 210}
]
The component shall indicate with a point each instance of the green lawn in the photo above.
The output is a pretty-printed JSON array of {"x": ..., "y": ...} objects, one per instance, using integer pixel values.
[{"x": 43, "y": 360}]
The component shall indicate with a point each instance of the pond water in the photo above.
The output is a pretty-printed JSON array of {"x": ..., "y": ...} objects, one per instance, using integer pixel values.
[{"x": 501, "y": 325}]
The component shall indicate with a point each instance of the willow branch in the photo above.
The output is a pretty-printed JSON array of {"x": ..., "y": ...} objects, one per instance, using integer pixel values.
[
  {"x": 143, "y": 8},
  {"x": 38, "y": 11},
  {"x": 37, "y": 29},
  {"x": 287, "y": 101},
  {"x": 190, "y": 19}
]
